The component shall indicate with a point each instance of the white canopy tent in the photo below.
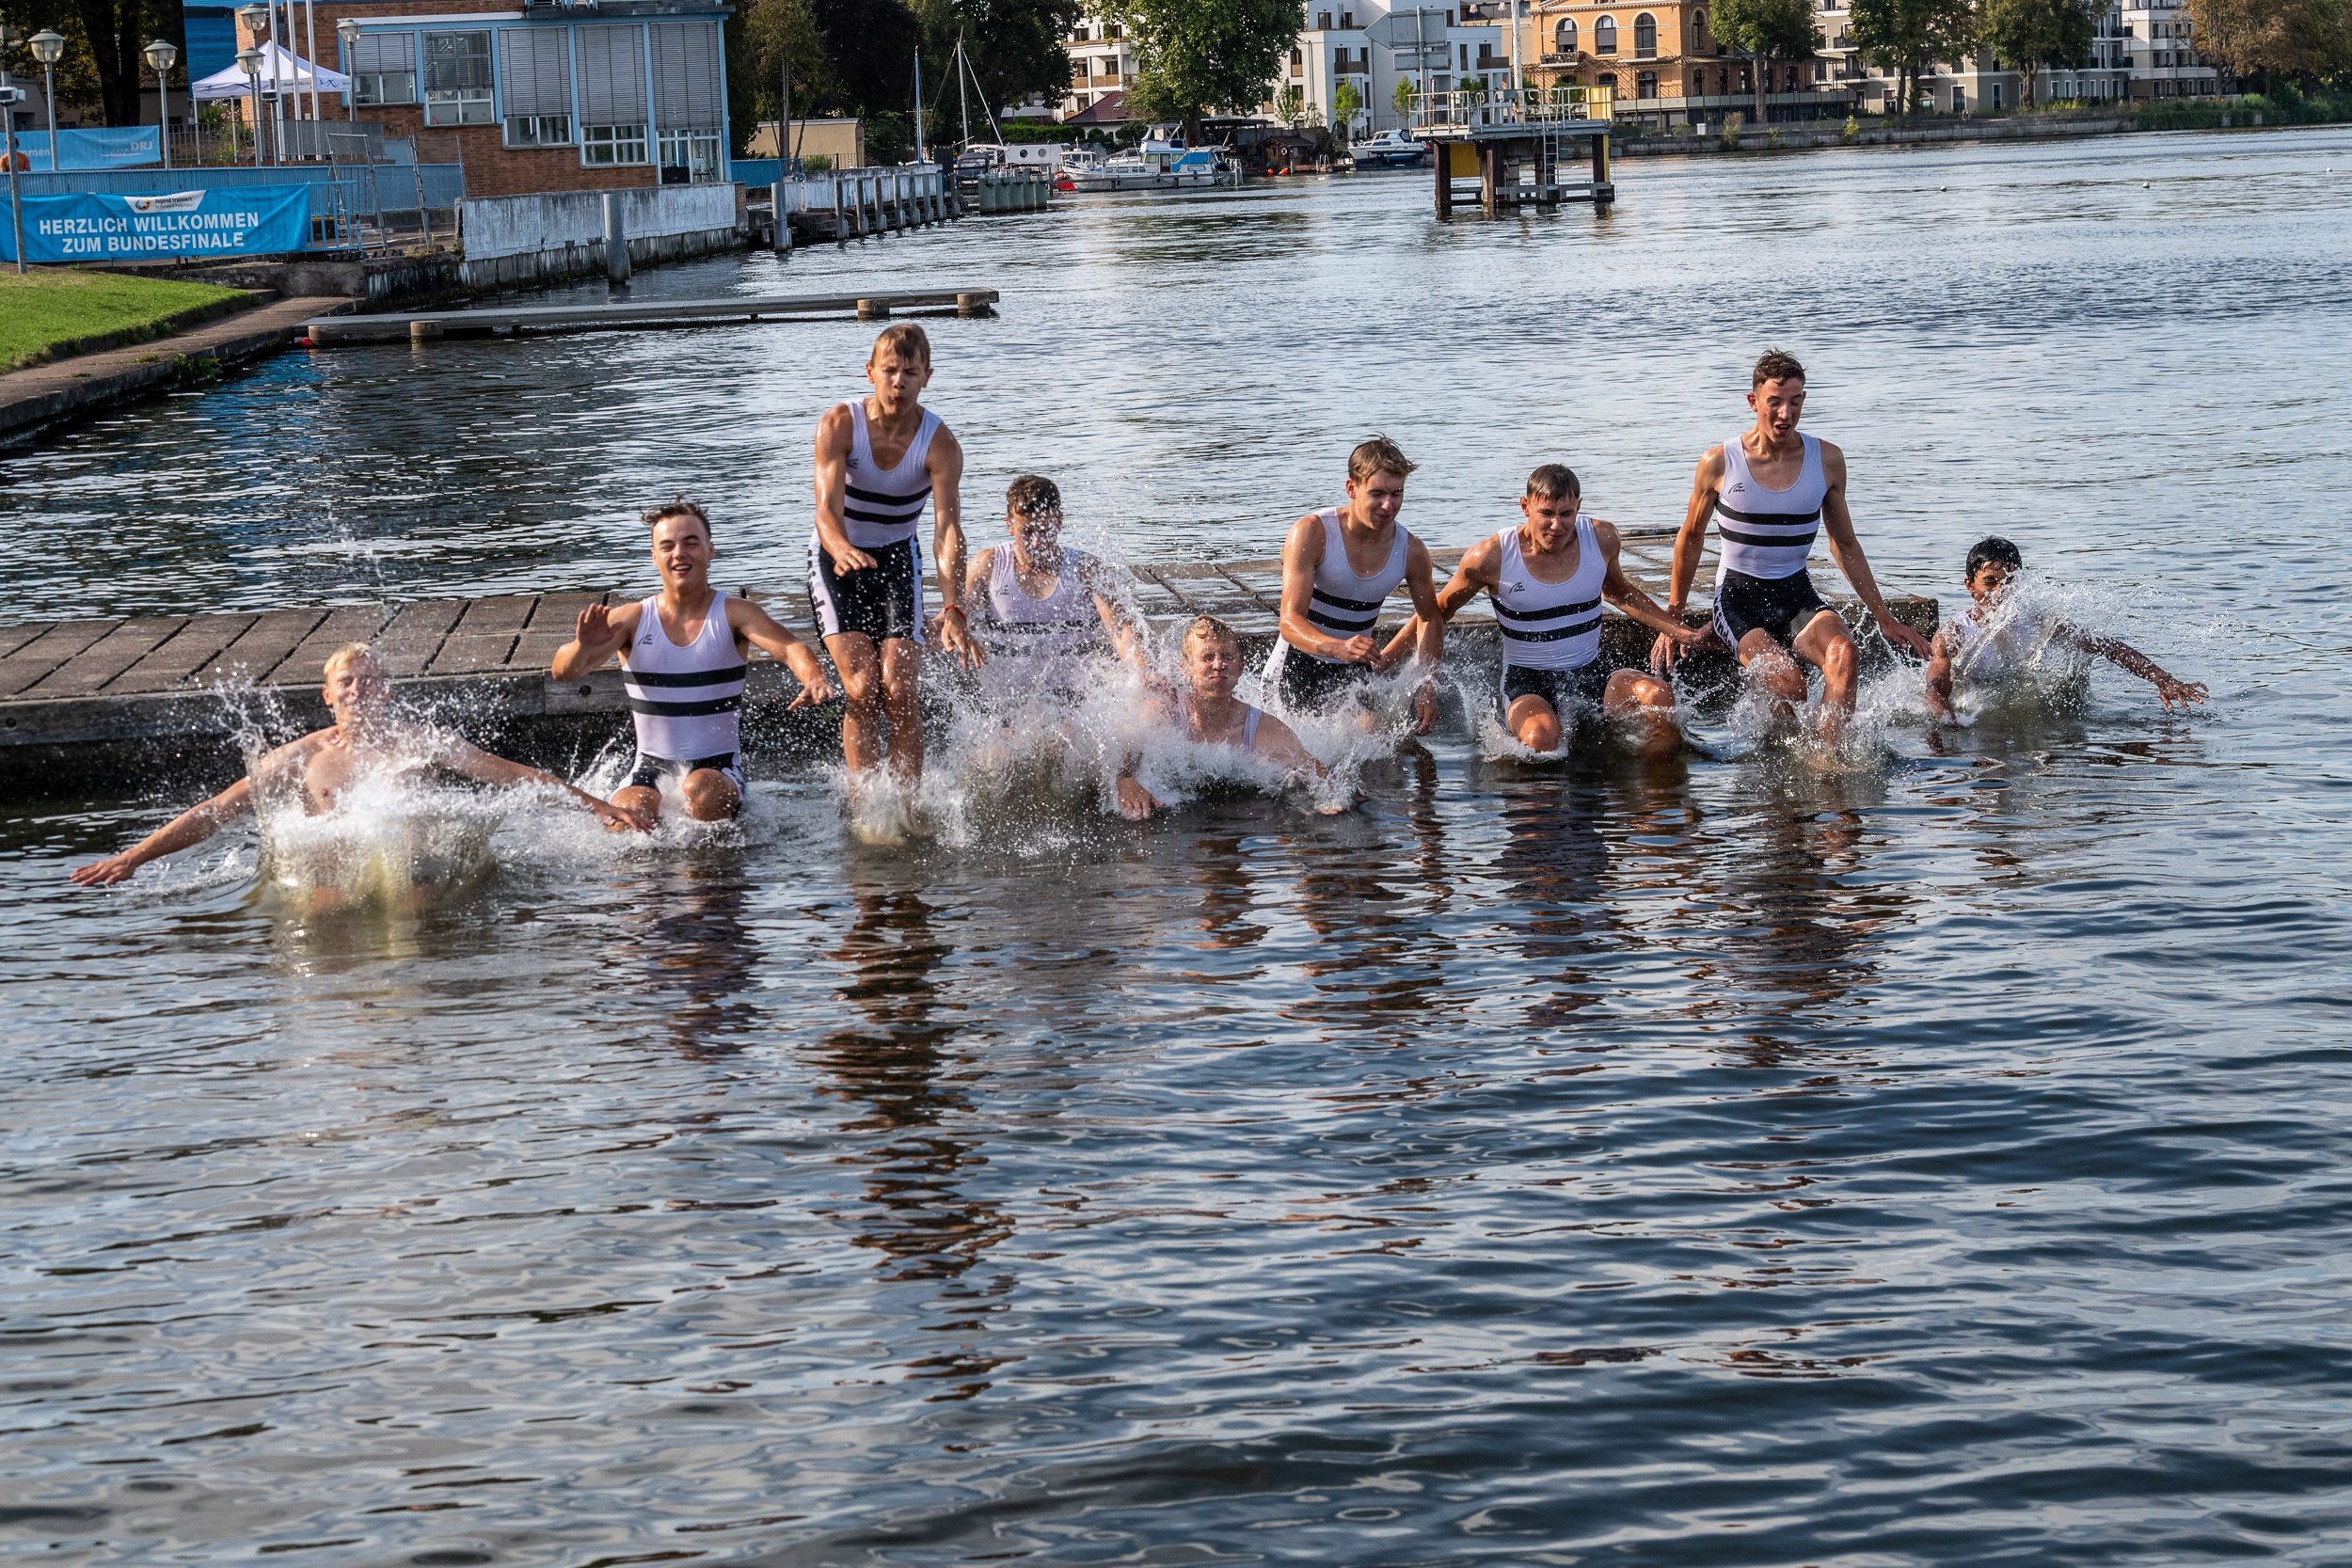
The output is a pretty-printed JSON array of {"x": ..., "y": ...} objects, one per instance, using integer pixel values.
[{"x": 281, "y": 71}]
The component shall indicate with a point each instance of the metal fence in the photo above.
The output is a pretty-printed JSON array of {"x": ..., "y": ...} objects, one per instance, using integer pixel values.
[
  {"x": 1552, "y": 105},
  {"x": 353, "y": 205}
]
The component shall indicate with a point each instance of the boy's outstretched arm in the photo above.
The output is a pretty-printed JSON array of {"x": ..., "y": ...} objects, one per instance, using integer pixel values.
[
  {"x": 1939, "y": 690},
  {"x": 2127, "y": 657}
]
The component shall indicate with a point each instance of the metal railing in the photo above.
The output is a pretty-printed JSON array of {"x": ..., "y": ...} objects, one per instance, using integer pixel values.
[{"x": 1553, "y": 106}]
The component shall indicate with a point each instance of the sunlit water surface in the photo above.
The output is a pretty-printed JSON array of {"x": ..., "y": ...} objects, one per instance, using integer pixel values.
[{"x": 1731, "y": 1162}]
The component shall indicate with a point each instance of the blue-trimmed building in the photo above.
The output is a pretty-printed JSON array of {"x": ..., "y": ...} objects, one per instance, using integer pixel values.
[{"x": 548, "y": 97}]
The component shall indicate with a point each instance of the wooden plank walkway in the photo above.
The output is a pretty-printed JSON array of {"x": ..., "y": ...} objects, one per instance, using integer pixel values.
[
  {"x": 66, "y": 684},
  {"x": 514, "y": 320}
]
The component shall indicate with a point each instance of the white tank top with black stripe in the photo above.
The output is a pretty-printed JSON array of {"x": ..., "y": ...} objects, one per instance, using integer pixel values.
[
  {"x": 685, "y": 701},
  {"x": 1343, "y": 603},
  {"x": 1766, "y": 534},
  {"x": 1063, "y": 622},
  {"x": 1187, "y": 724},
  {"x": 882, "y": 506},
  {"x": 1550, "y": 625}
]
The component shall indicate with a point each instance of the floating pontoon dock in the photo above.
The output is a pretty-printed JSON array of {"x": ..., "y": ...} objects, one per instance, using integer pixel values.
[
  {"x": 516, "y": 320},
  {"x": 127, "y": 699},
  {"x": 1517, "y": 144}
]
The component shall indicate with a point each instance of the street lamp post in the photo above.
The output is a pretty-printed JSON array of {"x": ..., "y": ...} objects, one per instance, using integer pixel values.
[
  {"x": 255, "y": 17},
  {"x": 9, "y": 96},
  {"x": 48, "y": 46},
  {"x": 249, "y": 61},
  {"x": 162, "y": 56},
  {"x": 349, "y": 30}
]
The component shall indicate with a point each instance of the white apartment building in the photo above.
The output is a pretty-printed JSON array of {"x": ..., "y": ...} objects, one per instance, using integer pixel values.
[
  {"x": 2139, "y": 50},
  {"x": 1334, "y": 49}
]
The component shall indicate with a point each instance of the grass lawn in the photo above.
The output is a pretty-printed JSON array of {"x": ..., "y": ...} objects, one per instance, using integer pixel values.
[{"x": 51, "y": 312}]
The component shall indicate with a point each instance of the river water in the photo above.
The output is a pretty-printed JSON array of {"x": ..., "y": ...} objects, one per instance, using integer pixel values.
[{"x": 1726, "y": 1162}]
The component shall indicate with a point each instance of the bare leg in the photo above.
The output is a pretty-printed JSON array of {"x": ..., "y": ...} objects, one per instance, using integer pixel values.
[
  {"x": 709, "y": 798},
  {"x": 860, "y": 670},
  {"x": 644, "y": 801},
  {"x": 1769, "y": 666},
  {"x": 901, "y": 661},
  {"x": 1646, "y": 706},
  {"x": 1826, "y": 644},
  {"x": 1530, "y": 719}
]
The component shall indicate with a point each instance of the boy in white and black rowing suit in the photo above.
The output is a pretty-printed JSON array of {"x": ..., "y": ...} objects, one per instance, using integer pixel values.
[
  {"x": 1989, "y": 640},
  {"x": 1338, "y": 566},
  {"x": 683, "y": 663},
  {"x": 1769, "y": 491},
  {"x": 1044, "y": 607},
  {"x": 879, "y": 460},
  {"x": 1549, "y": 576}
]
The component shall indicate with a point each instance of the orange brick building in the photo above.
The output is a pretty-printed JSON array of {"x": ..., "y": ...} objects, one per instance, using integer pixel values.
[{"x": 546, "y": 97}]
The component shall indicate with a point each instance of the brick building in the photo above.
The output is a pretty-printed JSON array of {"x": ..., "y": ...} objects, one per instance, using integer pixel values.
[{"x": 548, "y": 97}]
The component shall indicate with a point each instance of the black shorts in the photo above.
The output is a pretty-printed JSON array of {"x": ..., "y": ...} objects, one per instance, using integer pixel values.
[
  {"x": 1574, "y": 695},
  {"x": 1305, "y": 684},
  {"x": 1779, "y": 606},
  {"x": 883, "y": 601},
  {"x": 650, "y": 770}
]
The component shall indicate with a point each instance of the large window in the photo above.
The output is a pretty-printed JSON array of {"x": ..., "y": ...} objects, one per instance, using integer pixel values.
[
  {"x": 604, "y": 145},
  {"x": 1645, "y": 37},
  {"x": 1564, "y": 36},
  {"x": 535, "y": 70},
  {"x": 689, "y": 157},
  {"x": 1698, "y": 32},
  {"x": 1605, "y": 36},
  {"x": 383, "y": 67},
  {"x": 457, "y": 79}
]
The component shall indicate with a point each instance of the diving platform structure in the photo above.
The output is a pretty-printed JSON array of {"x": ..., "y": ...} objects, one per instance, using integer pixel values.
[{"x": 1518, "y": 144}]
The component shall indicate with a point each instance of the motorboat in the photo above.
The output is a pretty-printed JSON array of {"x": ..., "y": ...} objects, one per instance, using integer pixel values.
[
  {"x": 1391, "y": 149},
  {"x": 1162, "y": 163}
]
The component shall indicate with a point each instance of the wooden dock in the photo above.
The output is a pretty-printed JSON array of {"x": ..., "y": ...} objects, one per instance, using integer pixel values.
[
  {"x": 94, "y": 700},
  {"x": 491, "y": 320}
]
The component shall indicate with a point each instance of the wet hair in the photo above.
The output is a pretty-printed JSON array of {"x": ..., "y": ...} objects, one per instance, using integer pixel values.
[
  {"x": 350, "y": 653},
  {"x": 1211, "y": 627},
  {"x": 1031, "y": 495},
  {"x": 1378, "y": 455},
  {"x": 1778, "y": 364},
  {"x": 1555, "y": 482},
  {"x": 679, "y": 506},
  {"x": 906, "y": 340},
  {"x": 1992, "y": 550}
]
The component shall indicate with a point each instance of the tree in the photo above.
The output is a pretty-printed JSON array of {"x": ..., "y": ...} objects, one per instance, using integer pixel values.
[
  {"x": 105, "y": 41},
  {"x": 1908, "y": 35},
  {"x": 1348, "y": 101},
  {"x": 2302, "y": 39},
  {"x": 1406, "y": 92},
  {"x": 1193, "y": 56},
  {"x": 766, "y": 38},
  {"x": 2027, "y": 36},
  {"x": 1015, "y": 46},
  {"x": 1290, "y": 106},
  {"x": 1763, "y": 30}
]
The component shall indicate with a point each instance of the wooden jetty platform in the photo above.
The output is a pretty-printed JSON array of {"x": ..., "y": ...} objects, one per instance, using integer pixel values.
[
  {"x": 516, "y": 320},
  {"x": 136, "y": 699},
  {"x": 1518, "y": 145}
]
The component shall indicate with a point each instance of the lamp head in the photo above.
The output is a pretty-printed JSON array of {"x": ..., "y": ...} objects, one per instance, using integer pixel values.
[
  {"x": 250, "y": 60},
  {"x": 162, "y": 56},
  {"x": 48, "y": 46},
  {"x": 254, "y": 17},
  {"x": 349, "y": 30}
]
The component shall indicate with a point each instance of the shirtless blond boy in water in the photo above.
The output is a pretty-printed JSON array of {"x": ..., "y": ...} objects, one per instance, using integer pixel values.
[{"x": 366, "y": 741}]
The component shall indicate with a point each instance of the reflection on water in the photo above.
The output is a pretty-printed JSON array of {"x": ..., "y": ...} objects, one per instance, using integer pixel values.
[{"x": 1726, "y": 1162}]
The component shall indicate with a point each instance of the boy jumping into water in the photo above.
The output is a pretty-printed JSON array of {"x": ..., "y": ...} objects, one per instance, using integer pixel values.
[
  {"x": 1975, "y": 645},
  {"x": 1549, "y": 576},
  {"x": 879, "y": 460},
  {"x": 1206, "y": 710},
  {"x": 365, "y": 741},
  {"x": 682, "y": 663},
  {"x": 1046, "y": 604},
  {"x": 1770, "y": 490},
  {"x": 1338, "y": 566}
]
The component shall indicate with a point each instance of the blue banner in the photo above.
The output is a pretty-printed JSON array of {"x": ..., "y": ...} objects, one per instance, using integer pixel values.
[
  {"x": 121, "y": 146},
  {"x": 256, "y": 220}
]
